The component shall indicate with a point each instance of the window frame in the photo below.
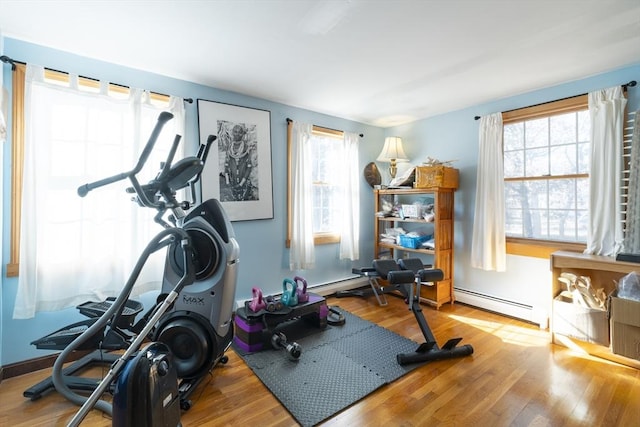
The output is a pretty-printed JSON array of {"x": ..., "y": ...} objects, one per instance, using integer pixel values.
[
  {"x": 318, "y": 238},
  {"x": 17, "y": 147},
  {"x": 17, "y": 166},
  {"x": 538, "y": 248}
]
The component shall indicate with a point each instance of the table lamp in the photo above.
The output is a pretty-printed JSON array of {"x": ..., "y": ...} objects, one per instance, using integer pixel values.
[{"x": 392, "y": 152}]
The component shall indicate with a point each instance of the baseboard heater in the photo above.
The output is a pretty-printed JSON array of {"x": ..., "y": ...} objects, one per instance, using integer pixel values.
[{"x": 497, "y": 305}]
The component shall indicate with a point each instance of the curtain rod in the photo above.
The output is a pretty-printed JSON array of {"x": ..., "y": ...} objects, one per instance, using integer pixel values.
[
  {"x": 632, "y": 83},
  {"x": 7, "y": 60},
  {"x": 361, "y": 135},
  {"x": 13, "y": 63}
]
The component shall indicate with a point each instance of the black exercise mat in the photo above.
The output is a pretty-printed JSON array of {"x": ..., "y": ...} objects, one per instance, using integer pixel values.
[{"x": 338, "y": 366}]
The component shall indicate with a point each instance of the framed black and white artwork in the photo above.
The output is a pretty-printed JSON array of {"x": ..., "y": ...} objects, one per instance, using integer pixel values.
[{"x": 238, "y": 167}]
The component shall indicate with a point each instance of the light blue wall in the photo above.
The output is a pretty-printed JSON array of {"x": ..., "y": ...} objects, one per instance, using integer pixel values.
[
  {"x": 264, "y": 260},
  {"x": 454, "y": 136}
]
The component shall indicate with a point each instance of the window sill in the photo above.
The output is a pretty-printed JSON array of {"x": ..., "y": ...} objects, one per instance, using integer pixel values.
[
  {"x": 540, "y": 248},
  {"x": 320, "y": 239},
  {"x": 326, "y": 238}
]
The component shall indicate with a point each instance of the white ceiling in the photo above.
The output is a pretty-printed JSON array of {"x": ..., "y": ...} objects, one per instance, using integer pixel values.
[{"x": 381, "y": 62}]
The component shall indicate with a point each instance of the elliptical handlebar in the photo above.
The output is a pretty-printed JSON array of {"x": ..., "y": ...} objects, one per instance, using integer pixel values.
[
  {"x": 163, "y": 118},
  {"x": 83, "y": 190},
  {"x": 168, "y": 163},
  {"x": 203, "y": 152}
]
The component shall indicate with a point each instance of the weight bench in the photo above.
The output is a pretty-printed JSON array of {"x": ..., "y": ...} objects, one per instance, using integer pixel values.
[
  {"x": 409, "y": 275},
  {"x": 376, "y": 289}
]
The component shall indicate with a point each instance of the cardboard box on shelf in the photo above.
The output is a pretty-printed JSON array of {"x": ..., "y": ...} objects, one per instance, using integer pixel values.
[{"x": 625, "y": 327}]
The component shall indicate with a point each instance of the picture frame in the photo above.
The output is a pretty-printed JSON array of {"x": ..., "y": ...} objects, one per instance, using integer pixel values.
[{"x": 238, "y": 167}]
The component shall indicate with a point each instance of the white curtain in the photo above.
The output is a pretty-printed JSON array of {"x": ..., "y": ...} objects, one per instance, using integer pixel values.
[
  {"x": 350, "y": 233},
  {"x": 302, "y": 250},
  {"x": 632, "y": 233},
  {"x": 3, "y": 137},
  {"x": 4, "y": 99},
  {"x": 604, "y": 232},
  {"x": 73, "y": 249},
  {"x": 488, "y": 247}
]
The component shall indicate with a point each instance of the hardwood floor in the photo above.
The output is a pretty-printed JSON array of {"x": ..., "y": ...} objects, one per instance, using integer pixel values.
[{"x": 515, "y": 377}]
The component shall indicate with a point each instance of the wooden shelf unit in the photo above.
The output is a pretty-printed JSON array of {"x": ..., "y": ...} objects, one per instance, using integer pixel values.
[
  {"x": 603, "y": 271},
  {"x": 443, "y": 201}
]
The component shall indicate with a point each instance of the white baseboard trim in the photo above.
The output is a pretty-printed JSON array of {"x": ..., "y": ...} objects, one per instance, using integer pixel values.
[
  {"x": 341, "y": 285},
  {"x": 329, "y": 288},
  {"x": 497, "y": 305}
]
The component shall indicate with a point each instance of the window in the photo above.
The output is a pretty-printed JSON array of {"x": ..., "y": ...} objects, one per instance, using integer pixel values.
[
  {"x": 546, "y": 170},
  {"x": 74, "y": 136},
  {"x": 327, "y": 184},
  {"x": 323, "y": 193},
  {"x": 17, "y": 160}
]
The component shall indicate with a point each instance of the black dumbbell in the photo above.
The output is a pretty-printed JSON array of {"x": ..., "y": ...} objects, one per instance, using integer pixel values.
[
  {"x": 279, "y": 340},
  {"x": 273, "y": 304}
]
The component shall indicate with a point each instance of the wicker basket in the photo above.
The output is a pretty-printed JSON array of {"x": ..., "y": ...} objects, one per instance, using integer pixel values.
[{"x": 436, "y": 177}]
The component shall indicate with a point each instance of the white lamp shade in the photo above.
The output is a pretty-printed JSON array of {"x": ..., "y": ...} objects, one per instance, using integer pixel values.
[{"x": 392, "y": 150}]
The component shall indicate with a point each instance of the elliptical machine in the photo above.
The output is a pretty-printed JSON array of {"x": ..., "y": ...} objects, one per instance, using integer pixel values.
[{"x": 191, "y": 323}]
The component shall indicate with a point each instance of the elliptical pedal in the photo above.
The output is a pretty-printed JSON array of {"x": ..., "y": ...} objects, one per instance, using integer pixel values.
[
  {"x": 61, "y": 338},
  {"x": 96, "y": 309}
]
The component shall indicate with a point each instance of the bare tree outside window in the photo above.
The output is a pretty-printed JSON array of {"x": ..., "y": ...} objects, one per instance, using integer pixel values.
[{"x": 546, "y": 161}]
